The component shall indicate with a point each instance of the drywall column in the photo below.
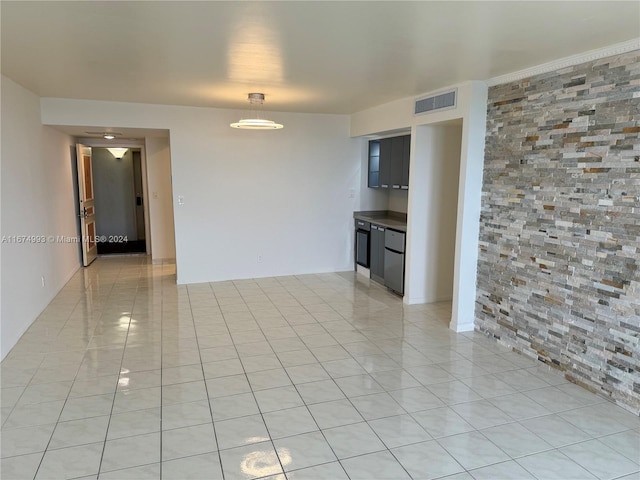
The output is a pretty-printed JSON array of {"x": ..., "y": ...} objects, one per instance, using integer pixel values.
[
  {"x": 163, "y": 246},
  {"x": 432, "y": 213},
  {"x": 417, "y": 218},
  {"x": 469, "y": 201}
]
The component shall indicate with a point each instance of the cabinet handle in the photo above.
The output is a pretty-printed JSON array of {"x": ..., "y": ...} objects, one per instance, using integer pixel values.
[
  {"x": 381, "y": 229},
  {"x": 405, "y": 187},
  {"x": 395, "y": 186},
  {"x": 373, "y": 227},
  {"x": 384, "y": 186},
  {"x": 360, "y": 223}
]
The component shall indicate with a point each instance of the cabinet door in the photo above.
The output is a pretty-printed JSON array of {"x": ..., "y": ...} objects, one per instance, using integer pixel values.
[
  {"x": 374, "y": 163},
  {"x": 385, "y": 162},
  {"x": 377, "y": 253},
  {"x": 397, "y": 147},
  {"x": 394, "y": 270},
  {"x": 406, "y": 155}
]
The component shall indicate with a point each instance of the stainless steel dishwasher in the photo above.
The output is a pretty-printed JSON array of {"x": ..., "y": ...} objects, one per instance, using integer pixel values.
[{"x": 394, "y": 260}]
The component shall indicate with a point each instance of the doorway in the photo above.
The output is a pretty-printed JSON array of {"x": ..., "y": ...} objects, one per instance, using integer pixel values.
[{"x": 119, "y": 200}]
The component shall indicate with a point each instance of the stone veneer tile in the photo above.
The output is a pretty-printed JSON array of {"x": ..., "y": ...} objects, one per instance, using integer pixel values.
[{"x": 559, "y": 263}]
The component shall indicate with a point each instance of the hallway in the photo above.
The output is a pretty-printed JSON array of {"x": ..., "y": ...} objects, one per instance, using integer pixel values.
[{"x": 127, "y": 375}]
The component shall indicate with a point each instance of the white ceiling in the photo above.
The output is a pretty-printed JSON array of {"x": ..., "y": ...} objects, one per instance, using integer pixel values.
[{"x": 306, "y": 56}]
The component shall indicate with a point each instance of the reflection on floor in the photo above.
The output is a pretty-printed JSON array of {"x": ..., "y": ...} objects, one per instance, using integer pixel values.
[{"x": 127, "y": 375}]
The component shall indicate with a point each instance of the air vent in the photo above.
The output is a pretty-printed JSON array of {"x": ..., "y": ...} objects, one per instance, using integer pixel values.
[
  {"x": 442, "y": 101},
  {"x": 101, "y": 133}
]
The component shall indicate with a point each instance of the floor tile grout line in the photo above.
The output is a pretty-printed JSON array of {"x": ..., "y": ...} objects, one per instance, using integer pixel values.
[
  {"x": 367, "y": 421},
  {"x": 250, "y": 386},
  {"x": 254, "y": 391},
  {"x": 349, "y": 399},
  {"x": 206, "y": 387},
  {"x": 124, "y": 349},
  {"x": 380, "y": 340},
  {"x": 162, "y": 333},
  {"x": 64, "y": 405},
  {"x": 485, "y": 437},
  {"x": 409, "y": 413},
  {"x": 356, "y": 409},
  {"x": 556, "y": 450},
  {"x": 36, "y": 371},
  {"x": 29, "y": 383},
  {"x": 308, "y": 410}
]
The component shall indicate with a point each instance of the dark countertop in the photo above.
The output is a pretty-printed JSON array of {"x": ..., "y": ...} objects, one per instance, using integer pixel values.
[{"x": 385, "y": 218}]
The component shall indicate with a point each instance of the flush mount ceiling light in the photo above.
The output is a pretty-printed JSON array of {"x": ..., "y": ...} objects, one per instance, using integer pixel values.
[
  {"x": 117, "y": 152},
  {"x": 109, "y": 136},
  {"x": 256, "y": 123}
]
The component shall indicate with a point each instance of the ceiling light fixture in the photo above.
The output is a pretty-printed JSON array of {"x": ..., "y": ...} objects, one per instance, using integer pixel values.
[
  {"x": 256, "y": 123},
  {"x": 109, "y": 136}
]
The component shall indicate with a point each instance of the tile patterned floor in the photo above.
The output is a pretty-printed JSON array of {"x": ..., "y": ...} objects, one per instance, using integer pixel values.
[{"x": 127, "y": 376}]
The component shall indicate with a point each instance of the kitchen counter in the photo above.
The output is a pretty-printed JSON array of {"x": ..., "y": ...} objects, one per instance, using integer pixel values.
[{"x": 386, "y": 218}]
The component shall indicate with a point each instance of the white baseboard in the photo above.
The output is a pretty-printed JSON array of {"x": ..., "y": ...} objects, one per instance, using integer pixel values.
[
  {"x": 462, "y": 327},
  {"x": 424, "y": 300},
  {"x": 162, "y": 261}
]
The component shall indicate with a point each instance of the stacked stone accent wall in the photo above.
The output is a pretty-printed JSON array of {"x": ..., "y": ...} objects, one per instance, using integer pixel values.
[{"x": 559, "y": 265}]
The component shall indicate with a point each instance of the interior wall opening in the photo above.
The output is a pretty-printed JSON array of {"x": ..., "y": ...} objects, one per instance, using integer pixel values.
[
  {"x": 117, "y": 179},
  {"x": 433, "y": 212}
]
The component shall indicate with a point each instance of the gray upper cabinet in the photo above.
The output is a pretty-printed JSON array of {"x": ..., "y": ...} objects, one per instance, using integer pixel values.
[
  {"x": 389, "y": 162},
  {"x": 374, "y": 163},
  {"x": 406, "y": 155},
  {"x": 385, "y": 162},
  {"x": 397, "y": 147}
]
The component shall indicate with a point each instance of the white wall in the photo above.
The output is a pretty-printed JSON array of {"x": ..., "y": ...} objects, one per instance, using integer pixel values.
[
  {"x": 286, "y": 195},
  {"x": 163, "y": 245},
  {"x": 37, "y": 199},
  {"x": 471, "y": 110},
  {"x": 114, "y": 193},
  {"x": 398, "y": 200}
]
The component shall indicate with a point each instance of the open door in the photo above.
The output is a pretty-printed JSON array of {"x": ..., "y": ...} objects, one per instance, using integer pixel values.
[{"x": 87, "y": 205}]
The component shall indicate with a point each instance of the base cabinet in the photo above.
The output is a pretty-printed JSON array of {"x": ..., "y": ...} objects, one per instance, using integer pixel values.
[
  {"x": 394, "y": 244},
  {"x": 381, "y": 251},
  {"x": 394, "y": 271}
]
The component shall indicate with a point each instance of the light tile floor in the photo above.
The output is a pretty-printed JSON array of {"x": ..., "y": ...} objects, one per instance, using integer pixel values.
[{"x": 127, "y": 376}]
